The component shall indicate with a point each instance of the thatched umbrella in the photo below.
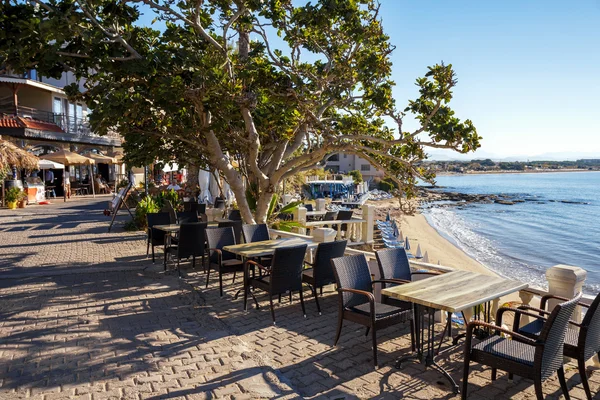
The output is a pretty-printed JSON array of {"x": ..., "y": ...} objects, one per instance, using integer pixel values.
[{"x": 13, "y": 156}]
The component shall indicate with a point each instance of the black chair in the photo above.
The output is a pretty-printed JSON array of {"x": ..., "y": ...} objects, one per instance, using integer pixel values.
[
  {"x": 329, "y": 216},
  {"x": 191, "y": 205},
  {"x": 156, "y": 237},
  {"x": 284, "y": 275},
  {"x": 321, "y": 273},
  {"x": 357, "y": 303},
  {"x": 255, "y": 233},
  {"x": 309, "y": 207},
  {"x": 535, "y": 359},
  {"x": 234, "y": 215},
  {"x": 343, "y": 215},
  {"x": 168, "y": 208},
  {"x": 237, "y": 229},
  {"x": 223, "y": 262},
  {"x": 201, "y": 208},
  {"x": 187, "y": 217},
  {"x": 581, "y": 342},
  {"x": 191, "y": 243}
]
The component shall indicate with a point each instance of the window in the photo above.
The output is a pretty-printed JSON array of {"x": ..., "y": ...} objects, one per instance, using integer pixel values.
[
  {"x": 334, "y": 157},
  {"x": 365, "y": 167},
  {"x": 345, "y": 155}
]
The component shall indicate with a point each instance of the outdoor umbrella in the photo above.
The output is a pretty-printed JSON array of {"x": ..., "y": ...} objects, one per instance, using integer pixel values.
[
  {"x": 100, "y": 159},
  {"x": 69, "y": 158},
  {"x": 204, "y": 184}
]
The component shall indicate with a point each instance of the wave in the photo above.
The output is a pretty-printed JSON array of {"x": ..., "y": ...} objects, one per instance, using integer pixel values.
[{"x": 463, "y": 234}]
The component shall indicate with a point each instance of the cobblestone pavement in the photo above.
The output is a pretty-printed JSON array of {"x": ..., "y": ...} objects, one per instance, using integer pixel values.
[{"x": 125, "y": 331}]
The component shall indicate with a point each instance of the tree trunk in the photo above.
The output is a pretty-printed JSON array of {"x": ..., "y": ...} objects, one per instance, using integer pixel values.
[
  {"x": 262, "y": 206},
  {"x": 192, "y": 179}
]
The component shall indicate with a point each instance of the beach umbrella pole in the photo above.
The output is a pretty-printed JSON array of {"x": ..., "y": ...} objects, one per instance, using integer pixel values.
[
  {"x": 64, "y": 186},
  {"x": 92, "y": 181}
]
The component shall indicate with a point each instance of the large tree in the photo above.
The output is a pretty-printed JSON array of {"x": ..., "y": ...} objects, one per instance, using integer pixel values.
[{"x": 256, "y": 89}]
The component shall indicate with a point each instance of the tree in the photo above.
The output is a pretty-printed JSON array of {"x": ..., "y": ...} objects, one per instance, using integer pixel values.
[
  {"x": 256, "y": 89},
  {"x": 357, "y": 175}
]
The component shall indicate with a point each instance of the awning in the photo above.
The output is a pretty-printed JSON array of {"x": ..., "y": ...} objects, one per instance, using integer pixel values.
[
  {"x": 47, "y": 164},
  {"x": 100, "y": 159}
]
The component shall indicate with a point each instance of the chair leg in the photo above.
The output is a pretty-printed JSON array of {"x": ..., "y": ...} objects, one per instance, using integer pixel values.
[
  {"x": 203, "y": 263},
  {"x": 147, "y": 248},
  {"x": 563, "y": 383},
  {"x": 279, "y": 298},
  {"x": 584, "y": 379},
  {"x": 314, "y": 290},
  {"x": 374, "y": 337},
  {"x": 165, "y": 260},
  {"x": 412, "y": 335},
  {"x": 367, "y": 331},
  {"x": 272, "y": 308},
  {"x": 153, "y": 253},
  {"x": 193, "y": 262},
  {"x": 290, "y": 297},
  {"x": 494, "y": 374},
  {"x": 339, "y": 327},
  {"x": 233, "y": 281},
  {"x": 465, "y": 377},
  {"x": 245, "y": 296},
  {"x": 220, "y": 283},
  {"x": 539, "y": 393},
  {"x": 207, "y": 276},
  {"x": 302, "y": 303}
]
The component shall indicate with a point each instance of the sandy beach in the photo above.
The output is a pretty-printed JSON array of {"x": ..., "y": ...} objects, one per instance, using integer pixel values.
[{"x": 419, "y": 232}]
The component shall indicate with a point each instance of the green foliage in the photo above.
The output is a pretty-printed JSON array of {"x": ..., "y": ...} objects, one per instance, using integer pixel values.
[
  {"x": 147, "y": 205},
  {"x": 13, "y": 194},
  {"x": 387, "y": 184},
  {"x": 357, "y": 175}
]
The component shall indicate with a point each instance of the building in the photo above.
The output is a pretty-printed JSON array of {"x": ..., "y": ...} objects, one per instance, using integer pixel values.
[
  {"x": 343, "y": 163},
  {"x": 36, "y": 115}
]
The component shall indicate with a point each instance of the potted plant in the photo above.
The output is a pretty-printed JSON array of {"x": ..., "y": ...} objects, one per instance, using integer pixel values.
[
  {"x": 12, "y": 197},
  {"x": 22, "y": 202}
]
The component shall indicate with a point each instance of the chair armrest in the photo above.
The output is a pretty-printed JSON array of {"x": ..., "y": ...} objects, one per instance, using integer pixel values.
[
  {"x": 518, "y": 312},
  {"x": 552, "y": 296},
  {"x": 248, "y": 262},
  {"x": 497, "y": 328},
  {"x": 219, "y": 254},
  {"x": 309, "y": 263},
  {"x": 393, "y": 281},
  {"x": 544, "y": 312},
  {"x": 369, "y": 295}
]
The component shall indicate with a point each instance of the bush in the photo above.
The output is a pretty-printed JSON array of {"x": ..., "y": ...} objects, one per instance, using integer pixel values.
[
  {"x": 387, "y": 184},
  {"x": 357, "y": 175},
  {"x": 13, "y": 194},
  {"x": 146, "y": 206}
]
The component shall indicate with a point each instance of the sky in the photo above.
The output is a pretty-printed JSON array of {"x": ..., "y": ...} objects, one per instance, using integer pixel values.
[{"x": 528, "y": 71}]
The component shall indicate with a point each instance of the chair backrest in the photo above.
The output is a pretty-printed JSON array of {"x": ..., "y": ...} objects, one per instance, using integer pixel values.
[
  {"x": 352, "y": 272},
  {"x": 322, "y": 269},
  {"x": 192, "y": 238},
  {"x": 344, "y": 215},
  {"x": 219, "y": 203},
  {"x": 330, "y": 216},
  {"x": 255, "y": 233},
  {"x": 161, "y": 218},
  {"x": 218, "y": 238},
  {"x": 237, "y": 229},
  {"x": 168, "y": 207},
  {"x": 308, "y": 207},
  {"x": 549, "y": 358},
  {"x": 393, "y": 264},
  {"x": 201, "y": 208},
  {"x": 286, "y": 269},
  {"x": 191, "y": 205},
  {"x": 187, "y": 217},
  {"x": 589, "y": 333},
  {"x": 235, "y": 215}
]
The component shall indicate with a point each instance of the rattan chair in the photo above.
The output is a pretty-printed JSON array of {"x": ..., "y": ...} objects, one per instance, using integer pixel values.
[
  {"x": 187, "y": 217},
  {"x": 309, "y": 207},
  {"x": 532, "y": 359},
  {"x": 581, "y": 342},
  {"x": 343, "y": 215},
  {"x": 356, "y": 300},
  {"x": 223, "y": 262},
  {"x": 284, "y": 275},
  {"x": 191, "y": 205},
  {"x": 191, "y": 243},
  {"x": 156, "y": 237},
  {"x": 329, "y": 216},
  {"x": 321, "y": 273},
  {"x": 255, "y": 233},
  {"x": 237, "y": 229}
]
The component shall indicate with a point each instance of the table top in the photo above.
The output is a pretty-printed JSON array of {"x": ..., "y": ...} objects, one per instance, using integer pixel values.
[
  {"x": 177, "y": 228},
  {"x": 335, "y": 222},
  {"x": 315, "y": 213},
  {"x": 455, "y": 291},
  {"x": 267, "y": 247}
]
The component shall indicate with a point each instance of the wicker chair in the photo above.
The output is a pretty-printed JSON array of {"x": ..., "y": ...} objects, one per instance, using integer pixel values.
[
  {"x": 284, "y": 275},
  {"x": 356, "y": 300},
  {"x": 191, "y": 243},
  {"x": 235, "y": 215},
  {"x": 523, "y": 356},
  {"x": 309, "y": 207},
  {"x": 329, "y": 216},
  {"x": 580, "y": 344},
  {"x": 223, "y": 262},
  {"x": 187, "y": 217},
  {"x": 191, "y": 205},
  {"x": 343, "y": 215},
  {"x": 321, "y": 273},
  {"x": 255, "y": 233},
  {"x": 156, "y": 237},
  {"x": 237, "y": 229}
]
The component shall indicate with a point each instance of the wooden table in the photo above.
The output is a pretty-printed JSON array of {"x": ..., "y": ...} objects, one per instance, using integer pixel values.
[
  {"x": 267, "y": 247},
  {"x": 454, "y": 291}
]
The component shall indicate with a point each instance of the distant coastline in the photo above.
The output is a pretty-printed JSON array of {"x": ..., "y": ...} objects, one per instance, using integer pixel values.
[{"x": 537, "y": 171}]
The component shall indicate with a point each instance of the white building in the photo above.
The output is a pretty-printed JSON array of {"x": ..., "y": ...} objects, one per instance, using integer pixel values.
[{"x": 343, "y": 163}]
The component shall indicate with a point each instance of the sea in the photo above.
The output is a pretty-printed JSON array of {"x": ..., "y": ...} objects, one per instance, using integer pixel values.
[{"x": 559, "y": 223}]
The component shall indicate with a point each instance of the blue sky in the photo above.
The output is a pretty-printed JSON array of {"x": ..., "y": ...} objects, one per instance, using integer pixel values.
[{"x": 528, "y": 71}]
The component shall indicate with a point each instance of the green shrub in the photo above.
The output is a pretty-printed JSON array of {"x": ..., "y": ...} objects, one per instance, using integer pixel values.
[
  {"x": 357, "y": 175},
  {"x": 146, "y": 206},
  {"x": 13, "y": 194}
]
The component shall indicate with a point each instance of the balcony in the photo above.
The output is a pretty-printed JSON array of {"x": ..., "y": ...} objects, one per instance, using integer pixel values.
[{"x": 58, "y": 126}]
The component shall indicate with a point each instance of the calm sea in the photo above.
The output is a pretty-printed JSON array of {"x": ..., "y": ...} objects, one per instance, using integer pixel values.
[{"x": 522, "y": 240}]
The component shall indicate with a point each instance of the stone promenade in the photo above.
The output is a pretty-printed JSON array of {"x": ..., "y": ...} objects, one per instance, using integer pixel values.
[{"x": 84, "y": 314}]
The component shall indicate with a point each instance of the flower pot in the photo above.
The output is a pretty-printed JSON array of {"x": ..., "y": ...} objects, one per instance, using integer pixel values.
[
  {"x": 22, "y": 203},
  {"x": 11, "y": 205}
]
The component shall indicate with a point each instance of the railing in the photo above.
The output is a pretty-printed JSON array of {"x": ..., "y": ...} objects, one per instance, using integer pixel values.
[{"x": 28, "y": 112}]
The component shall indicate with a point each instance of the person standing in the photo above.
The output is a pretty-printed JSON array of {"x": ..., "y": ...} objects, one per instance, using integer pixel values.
[
  {"x": 67, "y": 183},
  {"x": 49, "y": 178}
]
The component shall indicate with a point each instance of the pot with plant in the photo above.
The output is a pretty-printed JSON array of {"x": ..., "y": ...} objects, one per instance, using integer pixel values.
[
  {"x": 22, "y": 202},
  {"x": 12, "y": 197}
]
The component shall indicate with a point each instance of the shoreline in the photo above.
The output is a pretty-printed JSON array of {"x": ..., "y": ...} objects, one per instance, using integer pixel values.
[{"x": 544, "y": 171}]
